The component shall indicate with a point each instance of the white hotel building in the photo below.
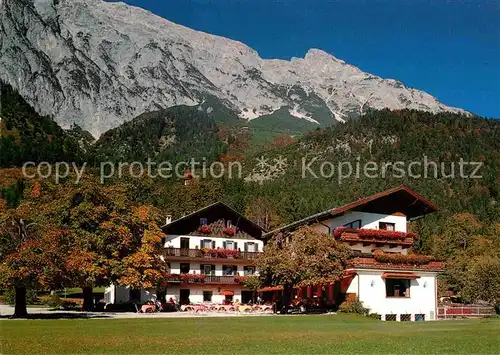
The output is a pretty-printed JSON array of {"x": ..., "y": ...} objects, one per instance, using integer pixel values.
[{"x": 210, "y": 251}]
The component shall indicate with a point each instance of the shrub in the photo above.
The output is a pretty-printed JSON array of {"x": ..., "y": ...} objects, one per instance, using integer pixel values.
[
  {"x": 375, "y": 315},
  {"x": 54, "y": 301},
  {"x": 353, "y": 306},
  {"x": 31, "y": 296}
]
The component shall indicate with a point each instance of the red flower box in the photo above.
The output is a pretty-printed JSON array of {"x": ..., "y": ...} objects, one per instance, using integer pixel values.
[
  {"x": 229, "y": 231},
  {"x": 375, "y": 233},
  {"x": 413, "y": 259},
  {"x": 205, "y": 229},
  {"x": 240, "y": 279},
  {"x": 192, "y": 277}
]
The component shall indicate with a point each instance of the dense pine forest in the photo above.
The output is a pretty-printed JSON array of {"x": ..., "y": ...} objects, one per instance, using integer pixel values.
[{"x": 465, "y": 231}]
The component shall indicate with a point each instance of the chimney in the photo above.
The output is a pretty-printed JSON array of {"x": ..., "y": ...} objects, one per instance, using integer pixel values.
[
  {"x": 169, "y": 219},
  {"x": 188, "y": 177}
]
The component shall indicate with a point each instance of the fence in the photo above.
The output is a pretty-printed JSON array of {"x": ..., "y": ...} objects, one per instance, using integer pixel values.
[{"x": 454, "y": 310}]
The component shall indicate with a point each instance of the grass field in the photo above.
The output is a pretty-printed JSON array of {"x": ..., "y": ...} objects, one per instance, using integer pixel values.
[{"x": 249, "y": 335}]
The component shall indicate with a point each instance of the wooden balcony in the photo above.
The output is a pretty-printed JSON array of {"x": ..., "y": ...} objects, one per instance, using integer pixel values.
[
  {"x": 375, "y": 236},
  {"x": 198, "y": 254},
  {"x": 200, "y": 279}
]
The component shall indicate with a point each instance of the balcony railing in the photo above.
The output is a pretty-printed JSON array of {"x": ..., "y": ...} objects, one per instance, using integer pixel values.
[
  {"x": 210, "y": 254},
  {"x": 376, "y": 236},
  {"x": 206, "y": 279}
]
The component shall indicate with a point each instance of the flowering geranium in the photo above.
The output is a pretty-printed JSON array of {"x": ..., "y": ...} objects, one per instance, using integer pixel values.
[
  {"x": 229, "y": 253},
  {"x": 229, "y": 231},
  {"x": 240, "y": 279},
  {"x": 205, "y": 229},
  {"x": 192, "y": 277},
  {"x": 375, "y": 233}
]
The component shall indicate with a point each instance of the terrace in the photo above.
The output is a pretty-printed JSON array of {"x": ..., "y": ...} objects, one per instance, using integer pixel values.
[
  {"x": 206, "y": 254},
  {"x": 205, "y": 279},
  {"x": 375, "y": 236}
]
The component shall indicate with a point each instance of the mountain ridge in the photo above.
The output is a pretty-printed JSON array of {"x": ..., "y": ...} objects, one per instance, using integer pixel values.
[{"x": 101, "y": 64}]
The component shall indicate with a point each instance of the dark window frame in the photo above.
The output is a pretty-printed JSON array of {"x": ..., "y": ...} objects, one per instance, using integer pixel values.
[
  {"x": 402, "y": 285},
  {"x": 356, "y": 224},
  {"x": 383, "y": 226},
  {"x": 208, "y": 293},
  {"x": 234, "y": 267},
  {"x": 188, "y": 266}
]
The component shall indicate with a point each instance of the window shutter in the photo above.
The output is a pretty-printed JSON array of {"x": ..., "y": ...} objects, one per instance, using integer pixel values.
[
  {"x": 224, "y": 245},
  {"x": 213, "y": 269},
  {"x": 246, "y": 247},
  {"x": 235, "y": 245},
  {"x": 213, "y": 244}
]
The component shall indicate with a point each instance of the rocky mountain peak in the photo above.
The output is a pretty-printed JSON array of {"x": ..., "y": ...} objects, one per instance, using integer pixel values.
[{"x": 99, "y": 64}]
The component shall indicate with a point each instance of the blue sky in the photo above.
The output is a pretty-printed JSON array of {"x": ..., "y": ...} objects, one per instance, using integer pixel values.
[{"x": 450, "y": 49}]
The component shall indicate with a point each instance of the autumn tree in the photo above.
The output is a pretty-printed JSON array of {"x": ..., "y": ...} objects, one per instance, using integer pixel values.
[
  {"x": 304, "y": 258},
  {"x": 263, "y": 212},
  {"x": 113, "y": 240},
  {"x": 31, "y": 252}
]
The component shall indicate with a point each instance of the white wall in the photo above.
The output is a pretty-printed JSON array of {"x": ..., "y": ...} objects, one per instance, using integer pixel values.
[
  {"x": 195, "y": 241},
  {"x": 422, "y": 298},
  {"x": 368, "y": 221},
  {"x": 121, "y": 294},
  {"x": 196, "y": 293}
]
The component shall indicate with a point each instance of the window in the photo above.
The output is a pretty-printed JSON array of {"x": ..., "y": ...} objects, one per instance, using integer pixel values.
[
  {"x": 419, "y": 317},
  {"x": 405, "y": 317},
  {"x": 229, "y": 224},
  {"x": 203, "y": 221},
  {"x": 207, "y": 296},
  {"x": 249, "y": 270},
  {"x": 251, "y": 246},
  {"x": 387, "y": 226},
  {"x": 390, "y": 317},
  {"x": 207, "y": 269},
  {"x": 229, "y": 270},
  {"x": 354, "y": 224},
  {"x": 229, "y": 245},
  {"x": 397, "y": 287},
  {"x": 206, "y": 243},
  {"x": 135, "y": 294},
  {"x": 185, "y": 268}
]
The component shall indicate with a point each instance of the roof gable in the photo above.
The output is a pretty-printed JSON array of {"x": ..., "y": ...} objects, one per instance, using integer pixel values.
[
  {"x": 400, "y": 199},
  {"x": 213, "y": 213}
]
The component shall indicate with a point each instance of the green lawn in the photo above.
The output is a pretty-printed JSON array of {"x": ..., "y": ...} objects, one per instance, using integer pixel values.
[{"x": 249, "y": 335}]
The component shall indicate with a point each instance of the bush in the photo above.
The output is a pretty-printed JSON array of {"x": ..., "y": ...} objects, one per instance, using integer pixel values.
[
  {"x": 31, "y": 296},
  {"x": 375, "y": 315},
  {"x": 353, "y": 306},
  {"x": 54, "y": 301}
]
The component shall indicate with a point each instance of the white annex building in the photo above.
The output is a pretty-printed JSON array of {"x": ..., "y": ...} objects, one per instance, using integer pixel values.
[{"x": 211, "y": 251}]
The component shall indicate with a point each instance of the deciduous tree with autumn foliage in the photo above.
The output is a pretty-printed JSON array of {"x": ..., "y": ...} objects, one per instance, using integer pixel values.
[
  {"x": 31, "y": 250},
  {"x": 305, "y": 258},
  {"x": 85, "y": 236}
]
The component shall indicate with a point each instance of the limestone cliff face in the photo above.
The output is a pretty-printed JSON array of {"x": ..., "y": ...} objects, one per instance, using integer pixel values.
[{"x": 99, "y": 64}]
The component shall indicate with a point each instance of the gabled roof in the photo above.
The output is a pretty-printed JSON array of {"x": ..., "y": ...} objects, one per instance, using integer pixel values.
[
  {"x": 213, "y": 212},
  {"x": 398, "y": 199}
]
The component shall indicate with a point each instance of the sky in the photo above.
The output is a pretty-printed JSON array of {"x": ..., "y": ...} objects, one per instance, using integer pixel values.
[{"x": 450, "y": 49}]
